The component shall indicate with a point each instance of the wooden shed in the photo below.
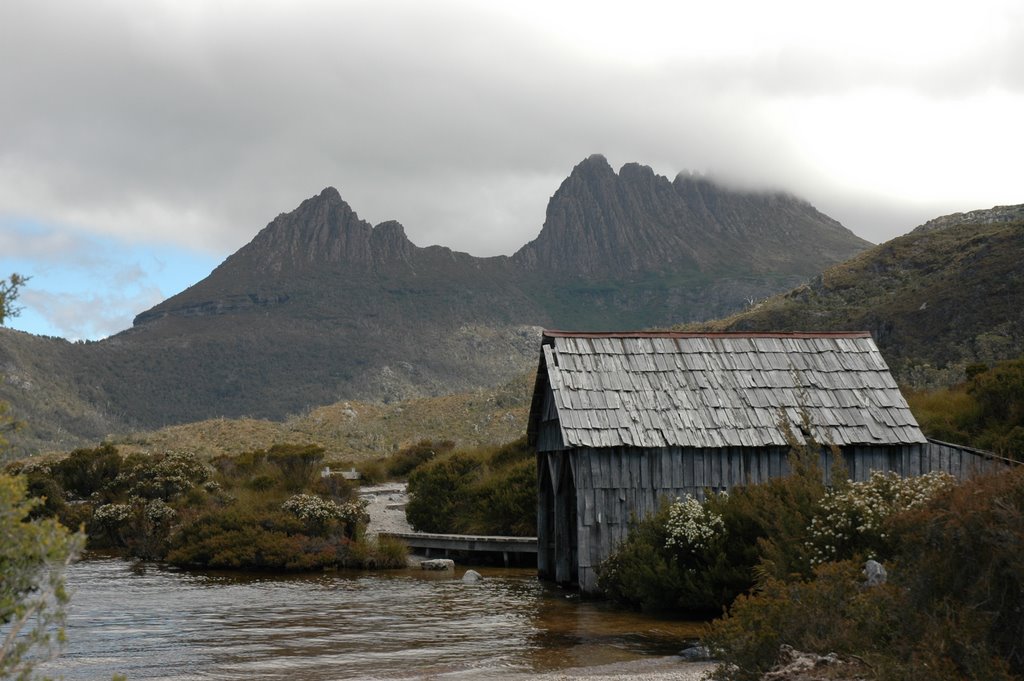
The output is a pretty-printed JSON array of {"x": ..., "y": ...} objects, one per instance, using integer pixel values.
[{"x": 620, "y": 421}]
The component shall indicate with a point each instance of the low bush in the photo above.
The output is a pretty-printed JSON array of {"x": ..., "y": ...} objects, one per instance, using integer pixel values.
[
  {"x": 299, "y": 465},
  {"x": 829, "y": 612},
  {"x": 86, "y": 472},
  {"x": 439, "y": 493},
  {"x": 986, "y": 410},
  {"x": 951, "y": 608},
  {"x": 266, "y": 509},
  {"x": 400, "y": 464},
  {"x": 491, "y": 490}
]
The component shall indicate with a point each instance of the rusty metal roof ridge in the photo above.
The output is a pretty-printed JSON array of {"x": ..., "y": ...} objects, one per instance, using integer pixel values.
[{"x": 555, "y": 333}]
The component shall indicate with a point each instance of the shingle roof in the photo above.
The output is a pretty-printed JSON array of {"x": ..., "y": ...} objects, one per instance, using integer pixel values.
[{"x": 721, "y": 389}]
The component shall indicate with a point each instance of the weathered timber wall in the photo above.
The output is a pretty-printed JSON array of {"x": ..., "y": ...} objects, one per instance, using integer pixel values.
[{"x": 613, "y": 486}]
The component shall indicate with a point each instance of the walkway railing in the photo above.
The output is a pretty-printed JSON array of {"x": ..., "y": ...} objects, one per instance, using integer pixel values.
[{"x": 468, "y": 543}]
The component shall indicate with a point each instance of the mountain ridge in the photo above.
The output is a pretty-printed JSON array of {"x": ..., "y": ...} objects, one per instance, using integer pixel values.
[
  {"x": 937, "y": 299},
  {"x": 321, "y": 306}
]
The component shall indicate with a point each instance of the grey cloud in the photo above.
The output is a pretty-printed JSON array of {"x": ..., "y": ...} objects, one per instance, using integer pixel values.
[{"x": 151, "y": 124}]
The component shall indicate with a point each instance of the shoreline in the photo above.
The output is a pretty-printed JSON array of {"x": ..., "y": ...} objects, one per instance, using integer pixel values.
[
  {"x": 665, "y": 668},
  {"x": 671, "y": 668}
]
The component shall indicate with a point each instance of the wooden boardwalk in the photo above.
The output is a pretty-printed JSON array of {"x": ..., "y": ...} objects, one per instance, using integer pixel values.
[{"x": 447, "y": 543}]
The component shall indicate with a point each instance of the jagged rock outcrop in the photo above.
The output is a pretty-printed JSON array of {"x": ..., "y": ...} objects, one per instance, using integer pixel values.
[
  {"x": 990, "y": 216},
  {"x": 600, "y": 222}
]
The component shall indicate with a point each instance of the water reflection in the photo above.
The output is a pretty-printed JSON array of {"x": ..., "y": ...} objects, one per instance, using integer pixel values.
[{"x": 153, "y": 622}]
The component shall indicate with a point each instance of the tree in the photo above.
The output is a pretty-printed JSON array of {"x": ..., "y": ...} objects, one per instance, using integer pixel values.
[
  {"x": 34, "y": 555},
  {"x": 8, "y": 294},
  {"x": 9, "y": 289}
]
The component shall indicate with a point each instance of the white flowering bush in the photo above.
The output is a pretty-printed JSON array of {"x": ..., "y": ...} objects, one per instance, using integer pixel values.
[
  {"x": 317, "y": 512},
  {"x": 691, "y": 525},
  {"x": 165, "y": 477},
  {"x": 312, "y": 508},
  {"x": 112, "y": 515},
  {"x": 156, "y": 512},
  {"x": 853, "y": 518}
]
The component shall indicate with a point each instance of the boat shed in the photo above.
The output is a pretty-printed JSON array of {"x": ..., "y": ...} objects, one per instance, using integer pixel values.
[{"x": 621, "y": 421}]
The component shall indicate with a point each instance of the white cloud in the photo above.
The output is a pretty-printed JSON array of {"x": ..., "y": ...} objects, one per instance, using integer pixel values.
[{"x": 78, "y": 316}]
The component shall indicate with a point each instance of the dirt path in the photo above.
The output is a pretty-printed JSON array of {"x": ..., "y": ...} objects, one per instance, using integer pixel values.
[{"x": 386, "y": 506}]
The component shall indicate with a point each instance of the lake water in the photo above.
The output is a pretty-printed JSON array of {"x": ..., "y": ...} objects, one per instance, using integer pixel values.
[{"x": 153, "y": 622}]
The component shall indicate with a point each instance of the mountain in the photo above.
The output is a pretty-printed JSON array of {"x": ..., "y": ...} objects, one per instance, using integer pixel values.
[
  {"x": 600, "y": 223},
  {"x": 948, "y": 294},
  {"x": 321, "y": 306}
]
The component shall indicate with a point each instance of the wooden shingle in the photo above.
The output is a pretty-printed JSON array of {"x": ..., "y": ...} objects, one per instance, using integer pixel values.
[{"x": 722, "y": 390}]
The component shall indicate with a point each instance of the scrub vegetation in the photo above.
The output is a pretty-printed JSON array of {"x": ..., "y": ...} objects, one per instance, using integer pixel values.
[
  {"x": 784, "y": 563},
  {"x": 984, "y": 411},
  {"x": 263, "y": 509},
  {"x": 486, "y": 490}
]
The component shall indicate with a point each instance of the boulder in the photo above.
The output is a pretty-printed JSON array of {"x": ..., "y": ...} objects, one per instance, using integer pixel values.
[
  {"x": 697, "y": 653},
  {"x": 795, "y": 665},
  {"x": 874, "y": 573},
  {"x": 471, "y": 576},
  {"x": 438, "y": 564}
]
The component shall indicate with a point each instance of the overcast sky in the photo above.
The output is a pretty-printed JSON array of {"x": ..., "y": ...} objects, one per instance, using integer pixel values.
[{"x": 143, "y": 142}]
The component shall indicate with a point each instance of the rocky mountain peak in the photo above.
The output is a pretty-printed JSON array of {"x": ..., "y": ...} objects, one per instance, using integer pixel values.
[
  {"x": 324, "y": 230},
  {"x": 622, "y": 224}
]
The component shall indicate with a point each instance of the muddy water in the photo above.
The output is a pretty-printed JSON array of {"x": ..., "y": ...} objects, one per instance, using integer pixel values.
[{"x": 152, "y": 622}]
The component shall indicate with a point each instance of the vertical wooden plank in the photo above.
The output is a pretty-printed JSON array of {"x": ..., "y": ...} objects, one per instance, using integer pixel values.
[
  {"x": 563, "y": 533},
  {"x": 544, "y": 502}
]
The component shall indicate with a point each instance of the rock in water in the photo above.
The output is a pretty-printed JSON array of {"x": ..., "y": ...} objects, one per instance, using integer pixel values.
[
  {"x": 696, "y": 653},
  {"x": 471, "y": 576},
  {"x": 438, "y": 564}
]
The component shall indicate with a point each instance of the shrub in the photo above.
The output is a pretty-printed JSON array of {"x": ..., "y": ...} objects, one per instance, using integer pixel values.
[
  {"x": 162, "y": 476},
  {"x": 34, "y": 556},
  {"x": 298, "y": 464},
  {"x": 507, "y": 502},
  {"x": 691, "y": 526},
  {"x": 490, "y": 490},
  {"x": 438, "y": 492},
  {"x": 512, "y": 453},
  {"x": 951, "y": 608},
  {"x": 640, "y": 573},
  {"x": 831, "y": 612},
  {"x": 141, "y": 527},
  {"x": 400, "y": 464},
  {"x": 852, "y": 520},
  {"x": 391, "y": 553},
  {"x": 261, "y": 483},
  {"x": 986, "y": 411},
  {"x": 317, "y": 513},
  {"x": 85, "y": 472},
  {"x": 696, "y": 557},
  {"x": 333, "y": 487},
  {"x": 681, "y": 559},
  {"x": 372, "y": 472},
  {"x": 961, "y": 559},
  {"x": 240, "y": 538}
]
